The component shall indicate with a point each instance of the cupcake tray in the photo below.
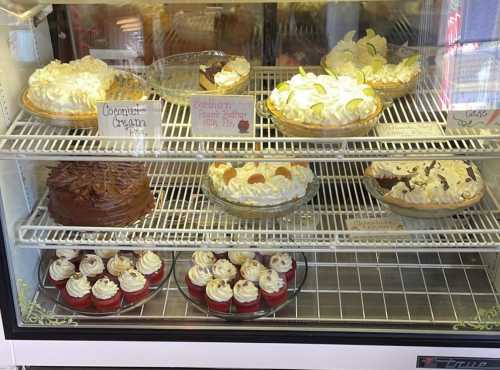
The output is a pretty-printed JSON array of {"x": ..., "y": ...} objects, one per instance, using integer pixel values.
[
  {"x": 182, "y": 263},
  {"x": 48, "y": 289}
]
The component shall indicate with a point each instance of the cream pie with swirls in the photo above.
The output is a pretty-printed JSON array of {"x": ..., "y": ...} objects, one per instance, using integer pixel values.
[
  {"x": 260, "y": 184},
  {"x": 429, "y": 185}
]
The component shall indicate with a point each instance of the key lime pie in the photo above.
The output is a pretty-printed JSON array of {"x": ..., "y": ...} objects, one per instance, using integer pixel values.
[
  {"x": 324, "y": 105},
  {"x": 368, "y": 61},
  {"x": 224, "y": 74},
  {"x": 428, "y": 185},
  {"x": 70, "y": 91}
]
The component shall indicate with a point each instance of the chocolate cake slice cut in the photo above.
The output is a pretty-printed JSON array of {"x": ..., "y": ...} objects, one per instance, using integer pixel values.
[{"x": 207, "y": 74}]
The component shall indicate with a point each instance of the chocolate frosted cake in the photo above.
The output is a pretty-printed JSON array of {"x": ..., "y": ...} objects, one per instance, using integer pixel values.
[{"x": 98, "y": 193}]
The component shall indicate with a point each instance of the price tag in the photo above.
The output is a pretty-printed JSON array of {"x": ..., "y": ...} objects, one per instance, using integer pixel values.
[
  {"x": 379, "y": 224},
  {"x": 223, "y": 115},
  {"x": 489, "y": 119},
  {"x": 137, "y": 119},
  {"x": 424, "y": 129}
]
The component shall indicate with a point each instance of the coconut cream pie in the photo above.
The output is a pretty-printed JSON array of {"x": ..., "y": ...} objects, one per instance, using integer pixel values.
[
  {"x": 260, "y": 184},
  {"x": 223, "y": 73},
  {"x": 429, "y": 184},
  {"x": 71, "y": 88}
]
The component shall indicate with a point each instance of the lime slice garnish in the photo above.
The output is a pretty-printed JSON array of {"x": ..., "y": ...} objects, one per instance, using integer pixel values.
[
  {"x": 319, "y": 88},
  {"x": 360, "y": 77},
  {"x": 370, "y": 33},
  {"x": 369, "y": 91},
  {"x": 331, "y": 73},
  {"x": 354, "y": 104},
  {"x": 349, "y": 35},
  {"x": 283, "y": 86},
  {"x": 302, "y": 71},
  {"x": 372, "y": 50},
  {"x": 290, "y": 97},
  {"x": 377, "y": 63},
  {"x": 411, "y": 61},
  {"x": 317, "y": 108}
]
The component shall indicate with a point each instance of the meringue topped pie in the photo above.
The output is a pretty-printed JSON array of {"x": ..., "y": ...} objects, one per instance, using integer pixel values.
[
  {"x": 260, "y": 183},
  {"x": 224, "y": 73}
]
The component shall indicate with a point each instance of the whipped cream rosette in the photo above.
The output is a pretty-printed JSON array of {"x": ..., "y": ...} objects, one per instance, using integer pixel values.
[
  {"x": 368, "y": 61},
  {"x": 323, "y": 105}
]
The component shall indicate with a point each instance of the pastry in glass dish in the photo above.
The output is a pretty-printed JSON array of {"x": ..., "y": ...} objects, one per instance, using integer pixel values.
[
  {"x": 246, "y": 297},
  {"x": 105, "y": 254},
  {"x": 310, "y": 105},
  {"x": 431, "y": 186},
  {"x": 203, "y": 258},
  {"x": 224, "y": 73},
  {"x": 225, "y": 270},
  {"x": 118, "y": 264},
  {"x": 251, "y": 270},
  {"x": 218, "y": 295},
  {"x": 151, "y": 266},
  {"x": 72, "y": 255},
  {"x": 60, "y": 271},
  {"x": 238, "y": 258},
  {"x": 134, "y": 285},
  {"x": 284, "y": 264},
  {"x": 106, "y": 296},
  {"x": 273, "y": 288},
  {"x": 76, "y": 293},
  {"x": 92, "y": 267},
  {"x": 196, "y": 280}
]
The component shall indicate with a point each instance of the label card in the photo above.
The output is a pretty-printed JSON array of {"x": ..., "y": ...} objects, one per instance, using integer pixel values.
[
  {"x": 136, "y": 119},
  {"x": 478, "y": 118},
  {"x": 223, "y": 115},
  {"x": 424, "y": 129},
  {"x": 379, "y": 224}
]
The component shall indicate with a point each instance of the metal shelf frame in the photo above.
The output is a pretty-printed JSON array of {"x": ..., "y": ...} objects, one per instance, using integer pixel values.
[
  {"x": 184, "y": 219},
  {"x": 420, "y": 290},
  {"x": 27, "y": 138}
]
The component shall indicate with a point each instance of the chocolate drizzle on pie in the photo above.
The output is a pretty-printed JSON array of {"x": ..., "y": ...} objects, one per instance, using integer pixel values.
[
  {"x": 211, "y": 70},
  {"x": 428, "y": 169},
  {"x": 444, "y": 182},
  {"x": 98, "y": 193},
  {"x": 470, "y": 172}
]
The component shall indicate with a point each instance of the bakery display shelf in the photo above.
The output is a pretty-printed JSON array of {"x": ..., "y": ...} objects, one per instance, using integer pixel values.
[
  {"x": 343, "y": 216},
  {"x": 28, "y": 139},
  {"x": 424, "y": 290}
]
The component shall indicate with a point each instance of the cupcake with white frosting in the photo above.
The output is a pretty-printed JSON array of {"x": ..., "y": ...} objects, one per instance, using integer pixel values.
[
  {"x": 246, "y": 296},
  {"x": 284, "y": 264},
  {"x": 72, "y": 255},
  {"x": 225, "y": 270},
  {"x": 196, "y": 279},
  {"x": 118, "y": 264},
  {"x": 239, "y": 258},
  {"x": 273, "y": 288},
  {"x": 59, "y": 272},
  {"x": 151, "y": 266},
  {"x": 218, "y": 295},
  {"x": 105, "y": 254},
  {"x": 76, "y": 293},
  {"x": 106, "y": 296},
  {"x": 134, "y": 285},
  {"x": 92, "y": 267},
  {"x": 251, "y": 270},
  {"x": 203, "y": 258}
]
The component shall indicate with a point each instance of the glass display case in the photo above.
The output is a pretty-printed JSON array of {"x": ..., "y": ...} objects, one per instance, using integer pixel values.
[{"x": 298, "y": 173}]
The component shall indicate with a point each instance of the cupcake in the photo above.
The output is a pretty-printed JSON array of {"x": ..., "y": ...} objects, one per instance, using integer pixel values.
[
  {"x": 218, "y": 295},
  {"x": 251, "y": 270},
  {"x": 134, "y": 285},
  {"x": 284, "y": 265},
  {"x": 220, "y": 254},
  {"x": 72, "y": 255},
  {"x": 118, "y": 264},
  {"x": 273, "y": 288},
  {"x": 106, "y": 296},
  {"x": 105, "y": 254},
  {"x": 224, "y": 270},
  {"x": 196, "y": 280},
  {"x": 203, "y": 258},
  {"x": 76, "y": 293},
  {"x": 59, "y": 272},
  {"x": 92, "y": 267},
  {"x": 239, "y": 258},
  {"x": 264, "y": 256},
  {"x": 246, "y": 296},
  {"x": 151, "y": 266}
]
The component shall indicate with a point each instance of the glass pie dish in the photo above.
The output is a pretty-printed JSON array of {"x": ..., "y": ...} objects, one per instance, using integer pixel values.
[
  {"x": 127, "y": 86},
  {"x": 176, "y": 77},
  {"x": 182, "y": 263},
  {"x": 259, "y": 212},
  {"x": 54, "y": 294}
]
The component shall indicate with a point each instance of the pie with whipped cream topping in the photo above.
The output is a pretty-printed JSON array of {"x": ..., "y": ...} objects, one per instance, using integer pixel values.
[
  {"x": 324, "y": 105},
  {"x": 429, "y": 185},
  {"x": 224, "y": 73}
]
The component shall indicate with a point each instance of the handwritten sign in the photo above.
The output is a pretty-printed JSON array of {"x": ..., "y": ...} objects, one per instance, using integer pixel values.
[
  {"x": 223, "y": 115},
  {"x": 423, "y": 129},
  {"x": 479, "y": 118},
  {"x": 137, "y": 119},
  {"x": 377, "y": 225}
]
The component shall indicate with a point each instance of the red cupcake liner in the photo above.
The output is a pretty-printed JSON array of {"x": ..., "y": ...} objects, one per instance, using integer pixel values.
[
  {"x": 247, "y": 307},
  {"x": 133, "y": 297},
  {"x": 290, "y": 274},
  {"x": 76, "y": 302},
  {"x": 218, "y": 306},
  {"x": 111, "y": 304},
  {"x": 59, "y": 284},
  {"x": 196, "y": 292},
  {"x": 157, "y": 276},
  {"x": 276, "y": 298}
]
